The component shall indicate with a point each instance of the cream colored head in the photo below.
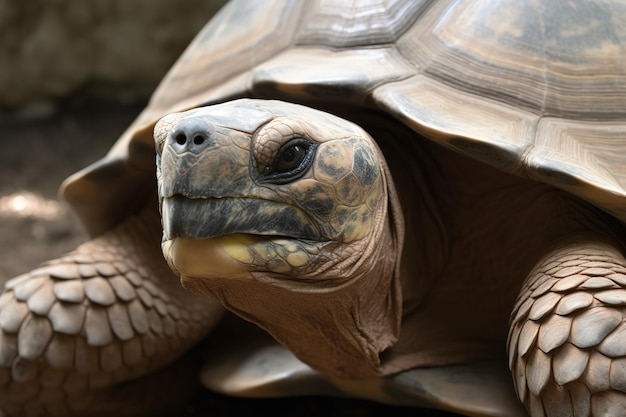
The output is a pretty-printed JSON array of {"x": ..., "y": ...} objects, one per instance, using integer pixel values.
[{"x": 281, "y": 212}]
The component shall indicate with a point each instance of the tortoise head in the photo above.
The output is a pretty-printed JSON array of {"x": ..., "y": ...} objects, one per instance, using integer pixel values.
[{"x": 282, "y": 213}]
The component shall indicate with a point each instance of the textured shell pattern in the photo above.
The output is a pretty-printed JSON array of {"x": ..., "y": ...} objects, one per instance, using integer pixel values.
[{"x": 537, "y": 89}]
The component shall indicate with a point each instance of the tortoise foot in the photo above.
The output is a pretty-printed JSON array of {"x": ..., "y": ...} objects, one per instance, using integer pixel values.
[
  {"x": 88, "y": 333},
  {"x": 567, "y": 343}
]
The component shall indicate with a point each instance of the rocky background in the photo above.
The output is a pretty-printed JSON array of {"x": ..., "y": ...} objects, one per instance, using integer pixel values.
[
  {"x": 54, "y": 49},
  {"x": 73, "y": 75}
]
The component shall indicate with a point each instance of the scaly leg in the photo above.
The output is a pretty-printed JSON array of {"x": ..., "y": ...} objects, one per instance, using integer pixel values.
[
  {"x": 78, "y": 333},
  {"x": 567, "y": 343}
]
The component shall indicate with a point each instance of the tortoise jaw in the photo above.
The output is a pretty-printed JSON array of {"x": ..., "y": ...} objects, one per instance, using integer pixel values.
[{"x": 203, "y": 218}]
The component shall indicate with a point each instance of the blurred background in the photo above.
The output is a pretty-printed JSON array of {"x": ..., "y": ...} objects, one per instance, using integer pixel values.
[
  {"x": 73, "y": 75},
  {"x": 54, "y": 50}
]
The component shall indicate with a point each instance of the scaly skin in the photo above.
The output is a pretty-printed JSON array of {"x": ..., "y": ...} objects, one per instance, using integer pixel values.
[
  {"x": 78, "y": 333},
  {"x": 567, "y": 344}
]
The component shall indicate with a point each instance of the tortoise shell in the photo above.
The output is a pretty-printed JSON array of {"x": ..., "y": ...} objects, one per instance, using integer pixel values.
[{"x": 536, "y": 89}]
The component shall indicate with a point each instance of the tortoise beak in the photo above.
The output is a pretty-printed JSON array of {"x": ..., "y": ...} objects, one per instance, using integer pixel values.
[{"x": 202, "y": 218}]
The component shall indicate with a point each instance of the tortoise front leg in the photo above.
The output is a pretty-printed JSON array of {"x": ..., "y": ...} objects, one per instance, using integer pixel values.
[
  {"x": 567, "y": 343},
  {"x": 77, "y": 333}
]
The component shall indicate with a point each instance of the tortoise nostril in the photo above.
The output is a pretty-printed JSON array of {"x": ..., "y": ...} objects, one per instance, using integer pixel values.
[
  {"x": 181, "y": 139},
  {"x": 191, "y": 135}
]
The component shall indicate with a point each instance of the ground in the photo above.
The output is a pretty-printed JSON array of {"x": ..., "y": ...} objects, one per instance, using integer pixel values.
[{"x": 36, "y": 154}]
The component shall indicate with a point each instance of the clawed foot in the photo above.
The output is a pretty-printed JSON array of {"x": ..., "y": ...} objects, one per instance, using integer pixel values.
[
  {"x": 567, "y": 344},
  {"x": 80, "y": 334}
]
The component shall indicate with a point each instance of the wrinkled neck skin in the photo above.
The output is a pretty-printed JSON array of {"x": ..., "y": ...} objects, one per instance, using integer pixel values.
[{"x": 340, "y": 316}]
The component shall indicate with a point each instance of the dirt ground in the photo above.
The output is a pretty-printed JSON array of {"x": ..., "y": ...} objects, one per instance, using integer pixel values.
[{"x": 35, "y": 156}]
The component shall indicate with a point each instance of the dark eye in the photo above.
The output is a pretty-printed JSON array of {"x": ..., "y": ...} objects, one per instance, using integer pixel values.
[
  {"x": 290, "y": 157},
  {"x": 291, "y": 161}
]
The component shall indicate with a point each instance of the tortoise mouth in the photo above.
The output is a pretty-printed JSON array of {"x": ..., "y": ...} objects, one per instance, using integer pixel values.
[{"x": 204, "y": 218}]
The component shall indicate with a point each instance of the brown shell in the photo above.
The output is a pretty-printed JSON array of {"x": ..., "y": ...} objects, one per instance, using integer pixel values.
[{"x": 533, "y": 88}]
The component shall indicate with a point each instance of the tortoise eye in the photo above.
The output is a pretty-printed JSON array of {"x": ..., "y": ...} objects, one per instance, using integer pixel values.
[
  {"x": 291, "y": 161},
  {"x": 290, "y": 157}
]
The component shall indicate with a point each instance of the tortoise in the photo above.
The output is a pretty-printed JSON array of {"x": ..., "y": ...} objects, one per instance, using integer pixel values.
[{"x": 422, "y": 202}]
